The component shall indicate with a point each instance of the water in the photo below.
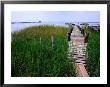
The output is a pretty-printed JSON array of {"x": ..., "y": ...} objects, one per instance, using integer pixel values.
[{"x": 20, "y": 26}]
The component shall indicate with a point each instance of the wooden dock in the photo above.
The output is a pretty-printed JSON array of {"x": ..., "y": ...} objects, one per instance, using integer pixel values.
[{"x": 77, "y": 52}]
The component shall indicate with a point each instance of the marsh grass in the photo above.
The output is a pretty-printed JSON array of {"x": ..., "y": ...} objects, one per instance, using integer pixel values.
[
  {"x": 93, "y": 49},
  {"x": 34, "y": 55}
]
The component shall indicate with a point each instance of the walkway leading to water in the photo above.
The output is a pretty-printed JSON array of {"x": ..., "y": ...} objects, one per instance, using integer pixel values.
[{"x": 77, "y": 52}]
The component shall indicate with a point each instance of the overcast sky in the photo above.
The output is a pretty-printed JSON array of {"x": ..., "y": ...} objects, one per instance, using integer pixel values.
[{"x": 56, "y": 16}]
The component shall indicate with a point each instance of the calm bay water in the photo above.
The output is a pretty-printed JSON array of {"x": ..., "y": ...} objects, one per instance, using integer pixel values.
[{"x": 19, "y": 26}]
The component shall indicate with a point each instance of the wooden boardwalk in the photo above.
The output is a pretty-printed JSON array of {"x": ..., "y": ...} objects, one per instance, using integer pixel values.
[{"x": 77, "y": 52}]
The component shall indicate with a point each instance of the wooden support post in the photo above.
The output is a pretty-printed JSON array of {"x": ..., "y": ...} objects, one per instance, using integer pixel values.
[
  {"x": 40, "y": 40},
  {"x": 52, "y": 40}
]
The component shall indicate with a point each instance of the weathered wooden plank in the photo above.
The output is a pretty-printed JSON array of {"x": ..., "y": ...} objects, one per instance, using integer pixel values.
[{"x": 81, "y": 71}]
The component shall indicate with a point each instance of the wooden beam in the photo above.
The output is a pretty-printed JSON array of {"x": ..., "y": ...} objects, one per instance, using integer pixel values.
[{"x": 81, "y": 71}]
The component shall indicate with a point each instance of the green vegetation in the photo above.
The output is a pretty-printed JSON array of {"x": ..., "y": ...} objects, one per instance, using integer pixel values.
[
  {"x": 40, "y": 51},
  {"x": 93, "y": 49}
]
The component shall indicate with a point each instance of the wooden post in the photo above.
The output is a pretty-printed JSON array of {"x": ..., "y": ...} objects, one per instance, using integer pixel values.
[
  {"x": 86, "y": 37},
  {"x": 40, "y": 40},
  {"x": 40, "y": 45},
  {"x": 52, "y": 40}
]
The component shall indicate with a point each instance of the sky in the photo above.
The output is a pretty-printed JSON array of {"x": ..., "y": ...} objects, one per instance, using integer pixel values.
[{"x": 55, "y": 16}]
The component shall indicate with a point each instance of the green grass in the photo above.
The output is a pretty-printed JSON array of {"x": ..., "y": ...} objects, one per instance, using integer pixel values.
[
  {"x": 35, "y": 57},
  {"x": 93, "y": 49}
]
